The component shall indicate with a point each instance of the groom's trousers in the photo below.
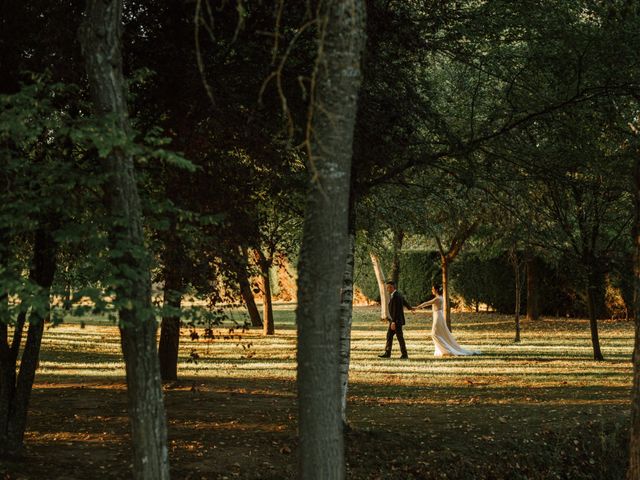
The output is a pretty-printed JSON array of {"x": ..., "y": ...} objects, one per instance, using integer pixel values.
[{"x": 400, "y": 335}]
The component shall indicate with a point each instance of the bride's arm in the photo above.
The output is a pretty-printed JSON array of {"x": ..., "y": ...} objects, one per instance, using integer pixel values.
[{"x": 427, "y": 303}]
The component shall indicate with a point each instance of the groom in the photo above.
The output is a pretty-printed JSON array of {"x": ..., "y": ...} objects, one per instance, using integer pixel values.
[{"x": 396, "y": 322}]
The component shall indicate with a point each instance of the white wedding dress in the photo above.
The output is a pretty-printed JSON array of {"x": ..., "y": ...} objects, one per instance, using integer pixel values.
[{"x": 443, "y": 340}]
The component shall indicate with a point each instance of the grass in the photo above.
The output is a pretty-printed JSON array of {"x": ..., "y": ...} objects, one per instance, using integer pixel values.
[{"x": 539, "y": 409}]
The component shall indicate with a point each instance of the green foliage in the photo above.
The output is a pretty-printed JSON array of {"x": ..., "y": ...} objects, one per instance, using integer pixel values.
[
  {"x": 419, "y": 270},
  {"x": 488, "y": 281}
]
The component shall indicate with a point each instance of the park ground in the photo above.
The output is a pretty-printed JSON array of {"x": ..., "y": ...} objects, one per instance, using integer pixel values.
[{"x": 541, "y": 409}]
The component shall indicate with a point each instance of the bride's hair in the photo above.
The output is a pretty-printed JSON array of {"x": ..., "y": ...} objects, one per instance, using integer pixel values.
[{"x": 438, "y": 289}]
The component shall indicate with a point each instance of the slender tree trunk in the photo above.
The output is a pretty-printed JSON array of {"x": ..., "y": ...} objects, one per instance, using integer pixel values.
[
  {"x": 100, "y": 35},
  {"x": 633, "y": 473},
  {"x": 268, "y": 327},
  {"x": 248, "y": 298},
  {"x": 533, "y": 296},
  {"x": 593, "y": 312},
  {"x": 15, "y": 390},
  {"x": 384, "y": 295},
  {"x": 346, "y": 310},
  {"x": 445, "y": 289},
  {"x": 398, "y": 237},
  {"x": 68, "y": 294},
  {"x": 321, "y": 276},
  {"x": 516, "y": 270}
]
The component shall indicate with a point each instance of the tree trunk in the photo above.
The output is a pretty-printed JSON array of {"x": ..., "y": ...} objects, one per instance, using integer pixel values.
[
  {"x": 245, "y": 289},
  {"x": 173, "y": 290},
  {"x": 593, "y": 312},
  {"x": 321, "y": 275},
  {"x": 346, "y": 310},
  {"x": 633, "y": 473},
  {"x": 15, "y": 391},
  {"x": 100, "y": 34},
  {"x": 398, "y": 237},
  {"x": 445, "y": 290},
  {"x": 170, "y": 330},
  {"x": 68, "y": 294},
  {"x": 516, "y": 270},
  {"x": 384, "y": 295},
  {"x": 533, "y": 296},
  {"x": 247, "y": 296},
  {"x": 268, "y": 327}
]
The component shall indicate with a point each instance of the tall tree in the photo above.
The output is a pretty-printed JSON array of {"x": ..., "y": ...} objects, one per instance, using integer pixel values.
[
  {"x": 336, "y": 81},
  {"x": 100, "y": 37},
  {"x": 633, "y": 472},
  {"x": 15, "y": 390},
  {"x": 46, "y": 188}
]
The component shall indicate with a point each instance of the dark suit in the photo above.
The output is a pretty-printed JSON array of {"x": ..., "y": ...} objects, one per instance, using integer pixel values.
[{"x": 396, "y": 312}]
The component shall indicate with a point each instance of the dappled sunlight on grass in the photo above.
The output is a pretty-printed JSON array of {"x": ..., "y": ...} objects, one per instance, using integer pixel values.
[
  {"x": 553, "y": 353},
  {"x": 235, "y": 400}
]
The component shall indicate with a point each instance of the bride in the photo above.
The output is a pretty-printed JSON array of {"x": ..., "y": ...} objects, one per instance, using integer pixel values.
[{"x": 443, "y": 340}]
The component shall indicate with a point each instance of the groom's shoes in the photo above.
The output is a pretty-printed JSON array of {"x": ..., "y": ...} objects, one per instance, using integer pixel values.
[
  {"x": 404, "y": 356},
  {"x": 385, "y": 355}
]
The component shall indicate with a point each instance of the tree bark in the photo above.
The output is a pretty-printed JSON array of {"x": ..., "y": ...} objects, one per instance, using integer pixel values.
[
  {"x": 533, "y": 295},
  {"x": 398, "y": 237},
  {"x": 100, "y": 37},
  {"x": 172, "y": 299},
  {"x": 15, "y": 390},
  {"x": 384, "y": 295},
  {"x": 516, "y": 264},
  {"x": 593, "y": 311},
  {"x": 445, "y": 289},
  {"x": 346, "y": 310},
  {"x": 633, "y": 473},
  {"x": 321, "y": 275},
  {"x": 247, "y": 293},
  {"x": 446, "y": 257},
  {"x": 268, "y": 327}
]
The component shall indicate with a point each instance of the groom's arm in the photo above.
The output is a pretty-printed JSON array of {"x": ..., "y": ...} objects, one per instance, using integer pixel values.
[{"x": 406, "y": 304}]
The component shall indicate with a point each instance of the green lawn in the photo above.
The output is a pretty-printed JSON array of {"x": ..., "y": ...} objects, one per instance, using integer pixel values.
[{"x": 539, "y": 409}]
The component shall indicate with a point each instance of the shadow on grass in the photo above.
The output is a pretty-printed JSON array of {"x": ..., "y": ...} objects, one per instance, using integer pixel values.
[{"x": 246, "y": 428}]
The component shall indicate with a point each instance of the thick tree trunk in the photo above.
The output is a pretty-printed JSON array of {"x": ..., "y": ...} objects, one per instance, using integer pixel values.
[
  {"x": 170, "y": 339},
  {"x": 100, "y": 35},
  {"x": 445, "y": 289},
  {"x": 321, "y": 275},
  {"x": 398, "y": 237},
  {"x": 346, "y": 310},
  {"x": 15, "y": 390},
  {"x": 633, "y": 473},
  {"x": 533, "y": 295},
  {"x": 245, "y": 289},
  {"x": 593, "y": 312},
  {"x": 384, "y": 295},
  {"x": 268, "y": 327}
]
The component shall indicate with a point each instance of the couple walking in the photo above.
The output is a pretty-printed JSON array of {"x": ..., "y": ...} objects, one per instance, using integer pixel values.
[{"x": 443, "y": 341}]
